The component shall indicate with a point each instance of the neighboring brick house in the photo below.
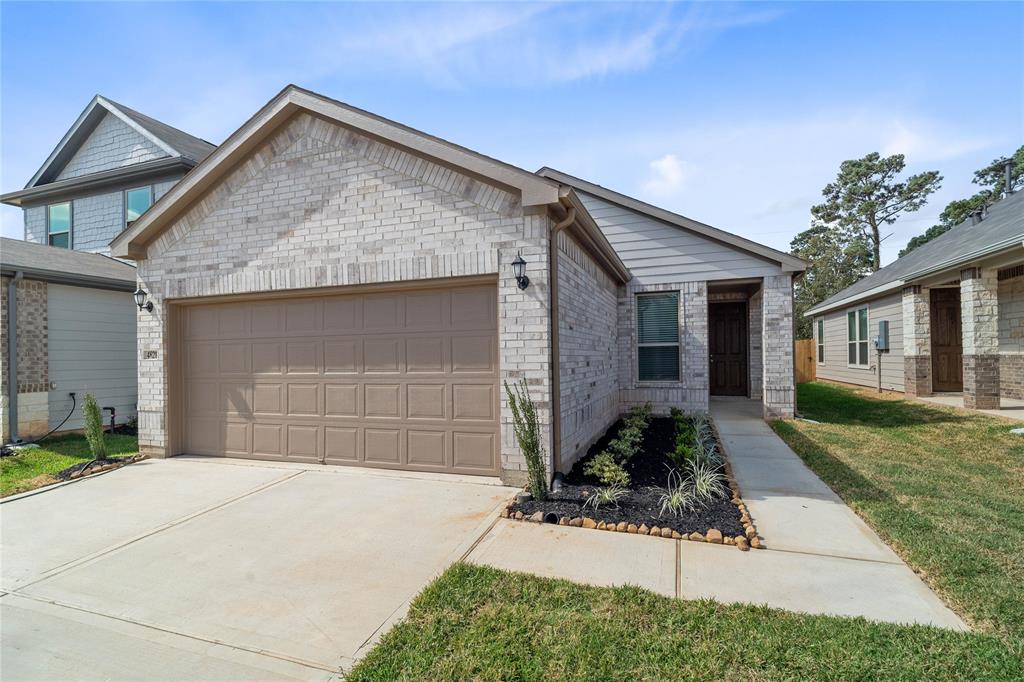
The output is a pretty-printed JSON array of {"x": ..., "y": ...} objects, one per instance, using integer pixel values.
[
  {"x": 955, "y": 314},
  {"x": 331, "y": 286},
  {"x": 76, "y": 325},
  {"x": 73, "y": 332}
]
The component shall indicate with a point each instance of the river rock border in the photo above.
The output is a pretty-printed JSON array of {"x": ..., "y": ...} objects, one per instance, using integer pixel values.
[
  {"x": 89, "y": 471},
  {"x": 750, "y": 537}
]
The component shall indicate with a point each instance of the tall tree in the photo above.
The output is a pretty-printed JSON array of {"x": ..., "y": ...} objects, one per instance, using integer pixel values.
[
  {"x": 867, "y": 194},
  {"x": 992, "y": 179},
  {"x": 834, "y": 262}
]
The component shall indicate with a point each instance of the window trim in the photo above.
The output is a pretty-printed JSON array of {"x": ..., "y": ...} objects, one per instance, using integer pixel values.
[
  {"x": 71, "y": 224},
  {"x": 819, "y": 336},
  {"x": 677, "y": 344},
  {"x": 867, "y": 339},
  {"x": 124, "y": 201}
]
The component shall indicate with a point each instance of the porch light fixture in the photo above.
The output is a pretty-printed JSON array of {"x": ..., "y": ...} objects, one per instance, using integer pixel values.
[
  {"x": 140, "y": 300},
  {"x": 519, "y": 270}
]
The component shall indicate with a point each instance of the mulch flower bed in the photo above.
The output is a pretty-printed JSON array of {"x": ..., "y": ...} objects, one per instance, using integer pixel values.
[
  {"x": 95, "y": 466},
  {"x": 723, "y": 520}
]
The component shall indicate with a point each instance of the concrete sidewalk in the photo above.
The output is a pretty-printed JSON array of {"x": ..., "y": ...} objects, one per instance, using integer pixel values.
[{"x": 821, "y": 557}]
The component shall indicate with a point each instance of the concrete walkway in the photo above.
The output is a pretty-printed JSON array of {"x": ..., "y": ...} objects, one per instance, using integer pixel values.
[
  {"x": 821, "y": 557},
  {"x": 202, "y": 569},
  {"x": 1009, "y": 408}
]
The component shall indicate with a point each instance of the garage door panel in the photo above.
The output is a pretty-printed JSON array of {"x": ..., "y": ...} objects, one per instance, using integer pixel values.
[
  {"x": 341, "y": 445},
  {"x": 474, "y": 402},
  {"x": 302, "y": 357},
  {"x": 382, "y": 355},
  {"x": 425, "y": 401},
  {"x": 383, "y": 400},
  {"x": 382, "y": 446},
  {"x": 303, "y": 400},
  {"x": 473, "y": 450},
  {"x": 342, "y": 400},
  {"x": 266, "y": 357},
  {"x": 390, "y": 379},
  {"x": 341, "y": 356},
  {"x": 427, "y": 448}
]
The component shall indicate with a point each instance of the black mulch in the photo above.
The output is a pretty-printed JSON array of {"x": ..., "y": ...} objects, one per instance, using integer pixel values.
[
  {"x": 648, "y": 470},
  {"x": 86, "y": 466}
]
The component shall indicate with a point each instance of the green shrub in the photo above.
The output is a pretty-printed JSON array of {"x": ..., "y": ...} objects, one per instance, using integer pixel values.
[
  {"x": 707, "y": 481},
  {"x": 602, "y": 497},
  {"x": 678, "y": 497},
  {"x": 94, "y": 427},
  {"x": 604, "y": 468},
  {"x": 629, "y": 438},
  {"x": 527, "y": 429}
]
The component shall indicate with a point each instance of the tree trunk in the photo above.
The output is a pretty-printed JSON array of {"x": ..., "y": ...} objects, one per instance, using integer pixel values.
[{"x": 876, "y": 246}]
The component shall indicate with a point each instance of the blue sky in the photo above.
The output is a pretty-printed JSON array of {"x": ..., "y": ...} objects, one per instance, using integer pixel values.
[{"x": 733, "y": 114}]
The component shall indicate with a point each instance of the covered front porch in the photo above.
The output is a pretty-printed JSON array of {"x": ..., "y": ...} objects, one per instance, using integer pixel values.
[{"x": 1010, "y": 408}]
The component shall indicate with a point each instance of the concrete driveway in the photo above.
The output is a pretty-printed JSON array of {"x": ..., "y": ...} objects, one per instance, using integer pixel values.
[{"x": 194, "y": 568}]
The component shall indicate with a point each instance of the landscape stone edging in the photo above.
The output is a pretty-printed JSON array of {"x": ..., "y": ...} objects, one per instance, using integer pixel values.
[
  {"x": 750, "y": 537},
  {"x": 106, "y": 467}
]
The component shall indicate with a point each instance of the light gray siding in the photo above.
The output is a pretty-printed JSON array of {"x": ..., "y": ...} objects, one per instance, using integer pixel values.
[
  {"x": 113, "y": 144},
  {"x": 835, "y": 368},
  {"x": 92, "y": 349},
  {"x": 659, "y": 253},
  {"x": 587, "y": 349}
]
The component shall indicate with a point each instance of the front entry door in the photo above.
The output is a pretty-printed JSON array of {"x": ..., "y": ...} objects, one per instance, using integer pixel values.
[
  {"x": 947, "y": 342},
  {"x": 727, "y": 341}
]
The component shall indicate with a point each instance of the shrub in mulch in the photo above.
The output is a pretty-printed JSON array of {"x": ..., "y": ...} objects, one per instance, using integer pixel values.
[{"x": 640, "y": 506}]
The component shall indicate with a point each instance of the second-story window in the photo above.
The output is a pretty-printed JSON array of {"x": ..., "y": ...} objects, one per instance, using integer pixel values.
[
  {"x": 136, "y": 201},
  {"x": 58, "y": 225}
]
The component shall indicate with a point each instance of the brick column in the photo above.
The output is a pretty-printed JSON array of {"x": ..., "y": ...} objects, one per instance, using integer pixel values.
[
  {"x": 779, "y": 385},
  {"x": 979, "y": 311},
  {"x": 917, "y": 341}
]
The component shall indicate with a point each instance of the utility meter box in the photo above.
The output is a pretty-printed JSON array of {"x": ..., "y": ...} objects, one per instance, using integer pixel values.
[{"x": 882, "y": 340}]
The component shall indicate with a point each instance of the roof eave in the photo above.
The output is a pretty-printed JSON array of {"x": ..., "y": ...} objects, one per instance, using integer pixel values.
[{"x": 596, "y": 243}]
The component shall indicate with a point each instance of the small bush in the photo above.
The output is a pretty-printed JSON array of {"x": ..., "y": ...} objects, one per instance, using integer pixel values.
[
  {"x": 602, "y": 497},
  {"x": 527, "y": 429},
  {"x": 627, "y": 442},
  {"x": 678, "y": 497},
  {"x": 707, "y": 481},
  {"x": 605, "y": 469},
  {"x": 94, "y": 427}
]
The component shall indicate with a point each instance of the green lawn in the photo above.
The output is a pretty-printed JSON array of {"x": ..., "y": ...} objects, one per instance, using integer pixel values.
[
  {"x": 476, "y": 623},
  {"x": 944, "y": 487},
  {"x": 35, "y": 468}
]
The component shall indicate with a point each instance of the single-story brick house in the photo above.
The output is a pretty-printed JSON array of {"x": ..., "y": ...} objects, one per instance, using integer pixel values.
[
  {"x": 72, "y": 331},
  {"x": 331, "y": 286},
  {"x": 954, "y": 308}
]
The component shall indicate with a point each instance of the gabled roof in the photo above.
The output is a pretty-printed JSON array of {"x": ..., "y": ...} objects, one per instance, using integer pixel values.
[
  {"x": 176, "y": 143},
  {"x": 1001, "y": 230},
  {"x": 64, "y": 266},
  {"x": 534, "y": 190},
  {"x": 787, "y": 262}
]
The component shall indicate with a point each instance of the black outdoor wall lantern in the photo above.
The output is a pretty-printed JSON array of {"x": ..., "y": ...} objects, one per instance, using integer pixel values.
[
  {"x": 519, "y": 270},
  {"x": 140, "y": 300}
]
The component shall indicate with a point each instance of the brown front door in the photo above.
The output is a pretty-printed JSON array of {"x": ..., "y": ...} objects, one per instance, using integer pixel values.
[
  {"x": 947, "y": 342},
  {"x": 727, "y": 341}
]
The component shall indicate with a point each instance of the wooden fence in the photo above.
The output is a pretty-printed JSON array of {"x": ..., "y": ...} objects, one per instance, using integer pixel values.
[{"x": 804, "y": 360}]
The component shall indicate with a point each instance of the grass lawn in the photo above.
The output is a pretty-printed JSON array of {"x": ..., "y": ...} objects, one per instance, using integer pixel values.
[
  {"x": 35, "y": 468},
  {"x": 944, "y": 487},
  {"x": 484, "y": 624}
]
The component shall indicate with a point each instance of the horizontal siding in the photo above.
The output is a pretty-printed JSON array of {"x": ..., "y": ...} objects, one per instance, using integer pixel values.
[
  {"x": 659, "y": 253},
  {"x": 835, "y": 368},
  {"x": 92, "y": 349}
]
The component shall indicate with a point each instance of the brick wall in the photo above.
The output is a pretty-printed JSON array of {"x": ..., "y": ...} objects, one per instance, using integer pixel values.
[
  {"x": 113, "y": 144},
  {"x": 979, "y": 322},
  {"x": 691, "y": 391},
  {"x": 756, "y": 350},
  {"x": 917, "y": 341},
  {"x": 321, "y": 205},
  {"x": 588, "y": 362},
  {"x": 33, "y": 358},
  {"x": 779, "y": 386},
  {"x": 1011, "y": 338}
]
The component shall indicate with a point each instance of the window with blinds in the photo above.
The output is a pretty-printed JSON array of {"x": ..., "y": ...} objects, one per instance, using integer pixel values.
[
  {"x": 658, "y": 336},
  {"x": 857, "y": 337}
]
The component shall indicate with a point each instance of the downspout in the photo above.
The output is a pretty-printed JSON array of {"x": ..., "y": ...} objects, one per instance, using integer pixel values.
[
  {"x": 12, "y": 355},
  {"x": 556, "y": 380}
]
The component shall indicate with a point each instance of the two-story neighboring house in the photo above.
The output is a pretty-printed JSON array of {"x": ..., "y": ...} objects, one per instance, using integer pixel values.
[{"x": 73, "y": 328}]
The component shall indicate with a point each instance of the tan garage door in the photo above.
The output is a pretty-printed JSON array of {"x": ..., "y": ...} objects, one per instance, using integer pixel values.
[{"x": 405, "y": 380}]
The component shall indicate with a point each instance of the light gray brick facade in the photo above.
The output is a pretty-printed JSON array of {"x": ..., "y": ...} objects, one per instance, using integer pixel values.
[
  {"x": 779, "y": 388},
  {"x": 33, "y": 358},
  {"x": 319, "y": 205},
  {"x": 588, "y": 350},
  {"x": 113, "y": 144},
  {"x": 979, "y": 322}
]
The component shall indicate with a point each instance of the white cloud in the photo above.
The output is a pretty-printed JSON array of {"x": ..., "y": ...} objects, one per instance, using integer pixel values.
[
  {"x": 926, "y": 141},
  {"x": 668, "y": 174}
]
